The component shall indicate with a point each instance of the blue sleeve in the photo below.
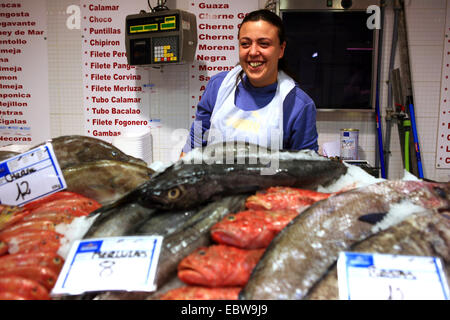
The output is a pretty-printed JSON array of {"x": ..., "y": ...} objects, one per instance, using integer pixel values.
[
  {"x": 299, "y": 118},
  {"x": 203, "y": 113}
]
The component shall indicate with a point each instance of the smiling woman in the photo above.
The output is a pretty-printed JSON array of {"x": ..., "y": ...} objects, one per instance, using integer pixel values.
[{"x": 257, "y": 101}]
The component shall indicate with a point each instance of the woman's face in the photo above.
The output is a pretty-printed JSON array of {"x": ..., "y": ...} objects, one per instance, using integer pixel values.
[{"x": 259, "y": 52}]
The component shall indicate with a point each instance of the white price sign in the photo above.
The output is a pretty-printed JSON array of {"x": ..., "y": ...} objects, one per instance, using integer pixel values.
[
  {"x": 367, "y": 276},
  {"x": 115, "y": 263},
  {"x": 29, "y": 176}
]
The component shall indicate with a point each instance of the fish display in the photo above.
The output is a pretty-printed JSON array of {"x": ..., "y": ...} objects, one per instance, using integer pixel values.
[
  {"x": 105, "y": 180},
  {"x": 201, "y": 293},
  {"x": 282, "y": 198},
  {"x": 218, "y": 266},
  {"x": 29, "y": 244},
  {"x": 251, "y": 229},
  {"x": 185, "y": 185},
  {"x": 191, "y": 235},
  {"x": 423, "y": 234},
  {"x": 308, "y": 246},
  {"x": 76, "y": 149}
]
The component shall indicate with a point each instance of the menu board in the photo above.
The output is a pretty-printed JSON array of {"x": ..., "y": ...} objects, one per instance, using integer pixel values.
[
  {"x": 217, "y": 48},
  {"x": 24, "y": 97},
  {"x": 114, "y": 92}
]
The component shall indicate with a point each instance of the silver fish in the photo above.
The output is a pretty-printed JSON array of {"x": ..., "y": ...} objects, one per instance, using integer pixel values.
[
  {"x": 308, "y": 246},
  {"x": 423, "y": 234}
]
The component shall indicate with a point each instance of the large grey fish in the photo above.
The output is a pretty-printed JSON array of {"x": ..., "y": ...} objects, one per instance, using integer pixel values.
[
  {"x": 193, "y": 234},
  {"x": 422, "y": 234},
  {"x": 105, "y": 180},
  {"x": 76, "y": 149},
  {"x": 307, "y": 247},
  {"x": 187, "y": 184}
]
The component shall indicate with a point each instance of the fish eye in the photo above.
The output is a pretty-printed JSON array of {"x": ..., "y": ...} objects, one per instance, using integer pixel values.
[
  {"x": 201, "y": 252},
  {"x": 173, "y": 194},
  {"x": 231, "y": 217}
]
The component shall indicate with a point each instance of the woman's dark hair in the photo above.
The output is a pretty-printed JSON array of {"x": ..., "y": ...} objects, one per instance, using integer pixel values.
[{"x": 275, "y": 20}]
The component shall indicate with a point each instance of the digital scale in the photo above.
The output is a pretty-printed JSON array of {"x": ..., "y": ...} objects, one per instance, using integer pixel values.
[{"x": 161, "y": 38}]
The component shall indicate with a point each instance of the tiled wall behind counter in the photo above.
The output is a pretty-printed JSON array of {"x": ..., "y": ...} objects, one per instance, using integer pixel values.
[{"x": 169, "y": 99}]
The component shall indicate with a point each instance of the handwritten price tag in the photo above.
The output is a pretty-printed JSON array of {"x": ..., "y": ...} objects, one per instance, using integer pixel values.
[
  {"x": 30, "y": 176},
  {"x": 367, "y": 276},
  {"x": 115, "y": 263}
]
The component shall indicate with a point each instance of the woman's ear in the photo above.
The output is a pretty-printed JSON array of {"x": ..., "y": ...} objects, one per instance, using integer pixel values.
[{"x": 282, "y": 46}]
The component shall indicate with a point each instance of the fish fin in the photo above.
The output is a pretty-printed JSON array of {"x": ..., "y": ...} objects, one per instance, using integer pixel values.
[{"x": 372, "y": 218}]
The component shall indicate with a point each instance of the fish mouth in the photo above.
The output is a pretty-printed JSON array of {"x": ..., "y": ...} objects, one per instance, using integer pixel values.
[{"x": 191, "y": 276}]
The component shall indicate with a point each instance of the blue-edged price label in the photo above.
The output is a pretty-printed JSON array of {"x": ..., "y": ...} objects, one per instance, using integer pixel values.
[
  {"x": 114, "y": 263},
  {"x": 372, "y": 276},
  {"x": 30, "y": 175}
]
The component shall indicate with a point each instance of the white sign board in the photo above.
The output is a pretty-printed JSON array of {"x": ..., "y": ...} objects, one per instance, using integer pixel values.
[
  {"x": 372, "y": 276},
  {"x": 116, "y": 263}
]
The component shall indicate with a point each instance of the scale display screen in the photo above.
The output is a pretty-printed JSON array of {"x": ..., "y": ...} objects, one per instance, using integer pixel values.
[{"x": 153, "y": 24}]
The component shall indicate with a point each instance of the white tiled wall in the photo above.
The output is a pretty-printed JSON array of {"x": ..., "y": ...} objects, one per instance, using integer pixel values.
[{"x": 169, "y": 98}]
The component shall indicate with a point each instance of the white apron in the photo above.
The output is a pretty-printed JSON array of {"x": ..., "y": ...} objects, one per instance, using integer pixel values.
[{"x": 263, "y": 127}]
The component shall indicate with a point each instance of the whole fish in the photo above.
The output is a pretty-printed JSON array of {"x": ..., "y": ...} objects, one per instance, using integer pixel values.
[
  {"x": 186, "y": 184},
  {"x": 218, "y": 266},
  {"x": 52, "y": 197},
  {"x": 27, "y": 288},
  {"x": 75, "y": 149},
  {"x": 251, "y": 229},
  {"x": 201, "y": 293},
  {"x": 281, "y": 198},
  {"x": 43, "y": 275},
  {"x": 105, "y": 180},
  {"x": 194, "y": 233},
  {"x": 423, "y": 234},
  {"x": 75, "y": 206},
  {"x": 308, "y": 246},
  {"x": 50, "y": 260}
]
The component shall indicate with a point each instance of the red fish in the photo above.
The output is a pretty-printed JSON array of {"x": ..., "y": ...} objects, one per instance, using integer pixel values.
[
  {"x": 34, "y": 245},
  {"x": 49, "y": 260},
  {"x": 202, "y": 293},
  {"x": 74, "y": 206},
  {"x": 284, "y": 198},
  {"x": 27, "y": 288},
  {"x": 28, "y": 225},
  {"x": 54, "y": 196},
  {"x": 6, "y": 295},
  {"x": 10, "y": 215},
  {"x": 43, "y": 275},
  {"x": 251, "y": 229},
  {"x": 218, "y": 266},
  {"x": 56, "y": 217}
]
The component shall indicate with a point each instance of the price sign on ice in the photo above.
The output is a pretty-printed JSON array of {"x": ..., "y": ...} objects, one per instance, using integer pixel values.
[
  {"x": 29, "y": 176},
  {"x": 115, "y": 263},
  {"x": 367, "y": 276}
]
